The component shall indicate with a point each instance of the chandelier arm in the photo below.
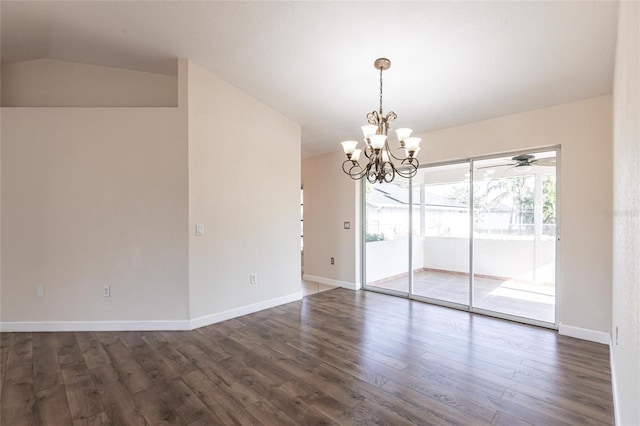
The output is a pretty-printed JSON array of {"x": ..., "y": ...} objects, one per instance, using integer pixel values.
[
  {"x": 369, "y": 172},
  {"x": 358, "y": 176},
  {"x": 413, "y": 164},
  {"x": 368, "y": 151},
  {"x": 374, "y": 118},
  {"x": 391, "y": 152},
  {"x": 391, "y": 116},
  {"x": 411, "y": 161},
  {"x": 393, "y": 156},
  {"x": 372, "y": 177},
  {"x": 354, "y": 175},
  {"x": 387, "y": 175},
  {"x": 407, "y": 174},
  {"x": 344, "y": 169}
]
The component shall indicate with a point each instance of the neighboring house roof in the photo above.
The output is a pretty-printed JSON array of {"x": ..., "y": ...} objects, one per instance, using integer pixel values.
[{"x": 397, "y": 196}]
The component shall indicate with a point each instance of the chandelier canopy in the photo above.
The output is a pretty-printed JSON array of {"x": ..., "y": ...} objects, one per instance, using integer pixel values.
[{"x": 380, "y": 166}]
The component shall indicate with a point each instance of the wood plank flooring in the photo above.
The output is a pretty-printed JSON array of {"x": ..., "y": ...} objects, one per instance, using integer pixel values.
[{"x": 337, "y": 357}]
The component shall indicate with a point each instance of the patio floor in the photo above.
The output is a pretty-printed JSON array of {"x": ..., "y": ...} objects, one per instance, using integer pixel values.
[{"x": 529, "y": 300}]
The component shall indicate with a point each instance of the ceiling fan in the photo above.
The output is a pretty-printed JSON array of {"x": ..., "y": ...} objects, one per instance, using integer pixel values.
[{"x": 524, "y": 162}]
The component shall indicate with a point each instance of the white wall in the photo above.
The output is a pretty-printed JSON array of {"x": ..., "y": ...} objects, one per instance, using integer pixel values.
[
  {"x": 53, "y": 83},
  {"x": 493, "y": 257},
  {"x": 447, "y": 253},
  {"x": 110, "y": 196},
  {"x": 498, "y": 257},
  {"x": 626, "y": 217},
  {"x": 584, "y": 130},
  {"x": 94, "y": 197},
  {"x": 388, "y": 258},
  {"x": 244, "y": 186},
  {"x": 330, "y": 199}
]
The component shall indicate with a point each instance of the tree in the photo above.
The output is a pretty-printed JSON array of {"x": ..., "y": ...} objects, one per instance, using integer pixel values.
[
  {"x": 515, "y": 190},
  {"x": 549, "y": 197}
]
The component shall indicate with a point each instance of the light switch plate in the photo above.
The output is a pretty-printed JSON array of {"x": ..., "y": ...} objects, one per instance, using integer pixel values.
[
  {"x": 39, "y": 291},
  {"x": 200, "y": 229}
]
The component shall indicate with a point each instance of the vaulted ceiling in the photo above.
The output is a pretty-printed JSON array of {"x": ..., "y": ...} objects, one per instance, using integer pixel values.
[{"x": 452, "y": 62}]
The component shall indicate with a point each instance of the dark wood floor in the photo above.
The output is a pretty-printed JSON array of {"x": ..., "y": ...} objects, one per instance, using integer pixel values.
[{"x": 338, "y": 357}]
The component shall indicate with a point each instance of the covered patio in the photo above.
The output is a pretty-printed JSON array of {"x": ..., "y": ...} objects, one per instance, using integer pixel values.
[{"x": 508, "y": 296}]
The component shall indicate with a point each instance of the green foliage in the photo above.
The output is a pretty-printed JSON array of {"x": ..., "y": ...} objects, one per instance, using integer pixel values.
[
  {"x": 549, "y": 197},
  {"x": 374, "y": 236},
  {"x": 515, "y": 192}
]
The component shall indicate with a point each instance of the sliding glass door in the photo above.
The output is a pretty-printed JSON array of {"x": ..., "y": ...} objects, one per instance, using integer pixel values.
[
  {"x": 478, "y": 235},
  {"x": 442, "y": 239},
  {"x": 388, "y": 215},
  {"x": 514, "y": 256}
]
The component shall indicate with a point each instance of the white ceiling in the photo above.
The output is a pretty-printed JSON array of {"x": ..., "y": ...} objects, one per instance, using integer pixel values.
[{"x": 452, "y": 62}]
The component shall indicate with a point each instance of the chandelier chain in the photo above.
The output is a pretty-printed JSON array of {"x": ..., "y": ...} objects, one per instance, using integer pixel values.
[{"x": 380, "y": 91}]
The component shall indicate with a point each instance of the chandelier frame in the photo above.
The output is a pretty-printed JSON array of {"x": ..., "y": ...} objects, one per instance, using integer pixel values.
[{"x": 380, "y": 167}]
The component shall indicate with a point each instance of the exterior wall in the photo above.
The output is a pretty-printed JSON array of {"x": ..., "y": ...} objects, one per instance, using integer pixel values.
[
  {"x": 503, "y": 257},
  {"x": 626, "y": 218},
  {"x": 508, "y": 258},
  {"x": 244, "y": 186},
  {"x": 389, "y": 258},
  {"x": 447, "y": 253},
  {"x": 53, "y": 83}
]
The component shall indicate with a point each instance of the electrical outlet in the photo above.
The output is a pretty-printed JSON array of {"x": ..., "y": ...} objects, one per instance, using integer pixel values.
[
  {"x": 253, "y": 278},
  {"x": 333, "y": 261},
  {"x": 106, "y": 291},
  {"x": 39, "y": 291}
]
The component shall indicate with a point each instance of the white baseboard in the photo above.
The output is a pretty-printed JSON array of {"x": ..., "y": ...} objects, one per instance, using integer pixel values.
[
  {"x": 585, "y": 334},
  {"x": 329, "y": 281},
  {"x": 33, "y": 326},
  {"x": 179, "y": 325},
  {"x": 614, "y": 387},
  {"x": 244, "y": 310}
]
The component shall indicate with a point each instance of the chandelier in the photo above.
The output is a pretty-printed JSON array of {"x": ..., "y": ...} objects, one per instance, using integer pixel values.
[{"x": 380, "y": 166}]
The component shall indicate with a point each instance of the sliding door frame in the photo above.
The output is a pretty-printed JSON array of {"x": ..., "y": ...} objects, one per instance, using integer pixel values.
[
  {"x": 363, "y": 245},
  {"x": 470, "y": 307}
]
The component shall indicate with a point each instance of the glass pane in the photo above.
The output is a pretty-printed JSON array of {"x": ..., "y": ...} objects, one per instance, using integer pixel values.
[
  {"x": 387, "y": 235},
  {"x": 514, "y": 235},
  {"x": 441, "y": 233}
]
